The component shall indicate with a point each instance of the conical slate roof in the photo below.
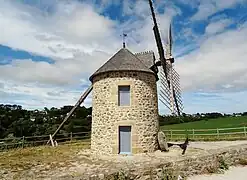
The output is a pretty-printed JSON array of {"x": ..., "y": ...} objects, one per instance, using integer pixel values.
[{"x": 123, "y": 60}]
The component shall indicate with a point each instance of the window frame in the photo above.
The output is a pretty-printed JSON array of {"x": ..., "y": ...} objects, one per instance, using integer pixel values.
[{"x": 120, "y": 102}]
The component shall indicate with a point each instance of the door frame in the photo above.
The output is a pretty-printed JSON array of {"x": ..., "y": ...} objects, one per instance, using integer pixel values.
[{"x": 131, "y": 129}]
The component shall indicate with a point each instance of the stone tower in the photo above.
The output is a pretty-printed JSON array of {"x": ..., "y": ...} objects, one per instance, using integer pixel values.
[{"x": 125, "y": 105}]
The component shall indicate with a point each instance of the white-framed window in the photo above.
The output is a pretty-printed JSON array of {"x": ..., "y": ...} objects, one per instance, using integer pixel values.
[{"x": 124, "y": 95}]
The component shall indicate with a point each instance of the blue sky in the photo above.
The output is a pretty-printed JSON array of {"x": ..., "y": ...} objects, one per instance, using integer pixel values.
[{"x": 49, "y": 48}]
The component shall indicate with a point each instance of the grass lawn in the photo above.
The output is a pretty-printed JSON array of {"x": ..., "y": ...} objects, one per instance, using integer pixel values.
[
  {"x": 41, "y": 155},
  {"x": 224, "y": 122},
  {"x": 41, "y": 161},
  {"x": 206, "y": 129}
]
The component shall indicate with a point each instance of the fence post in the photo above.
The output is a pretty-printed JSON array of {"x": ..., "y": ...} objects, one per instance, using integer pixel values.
[
  {"x": 71, "y": 136},
  {"x": 244, "y": 131},
  {"x": 193, "y": 134},
  {"x": 171, "y": 134},
  {"x": 218, "y": 134},
  {"x": 23, "y": 139}
]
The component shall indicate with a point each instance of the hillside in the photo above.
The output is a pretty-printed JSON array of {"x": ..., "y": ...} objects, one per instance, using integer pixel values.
[{"x": 224, "y": 122}]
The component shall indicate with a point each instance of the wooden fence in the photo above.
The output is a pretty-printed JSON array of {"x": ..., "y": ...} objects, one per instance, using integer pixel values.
[
  {"x": 237, "y": 133},
  {"x": 30, "y": 141},
  {"x": 172, "y": 135}
]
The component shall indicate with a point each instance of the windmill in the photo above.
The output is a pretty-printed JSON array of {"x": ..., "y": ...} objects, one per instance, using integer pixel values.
[
  {"x": 131, "y": 64},
  {"x": 170, "y": 92}
]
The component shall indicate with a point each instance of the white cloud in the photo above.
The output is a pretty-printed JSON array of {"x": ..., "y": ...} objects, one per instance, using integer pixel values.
[
  {"x": 219, "y": 62},
  {"x": 71, "y": 28},
  {"x": 140, "y": 30},
  {"x": 74, "y": 35},
  {"x": 80, "y": 40},
  {"x": 139, "y": 8},
  {"x": 38, "y": 96},
  {"x": 215, "y": 102},
  {"x": 190, "y": 3},
  {"x": 217, "y": 26},
  {"x": 204, "y": 10},
  {"x": 210, "y": 7}
]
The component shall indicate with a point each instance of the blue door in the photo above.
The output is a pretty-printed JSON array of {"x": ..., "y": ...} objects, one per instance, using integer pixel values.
[{"x": 124, "y": 139}]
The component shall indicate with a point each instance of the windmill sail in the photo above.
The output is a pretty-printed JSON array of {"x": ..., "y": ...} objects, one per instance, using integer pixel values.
[
  {"x": 158, "y": 39},
  {"x": 166, "y": 95},
  {"x": 169, "y": 45},
  {"x": 170, "y": 86},
  {"x": 173, "y": 75}
]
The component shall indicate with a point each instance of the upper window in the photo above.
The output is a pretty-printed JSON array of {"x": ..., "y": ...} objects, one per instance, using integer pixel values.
[{"x": 124, "y": 95}]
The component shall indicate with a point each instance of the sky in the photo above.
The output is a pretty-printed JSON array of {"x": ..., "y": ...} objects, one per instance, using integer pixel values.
[{"x": 49, "y": 48}]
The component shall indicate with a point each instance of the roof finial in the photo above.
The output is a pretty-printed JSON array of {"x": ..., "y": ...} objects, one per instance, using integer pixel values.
[{"x": 124, "y": 35}]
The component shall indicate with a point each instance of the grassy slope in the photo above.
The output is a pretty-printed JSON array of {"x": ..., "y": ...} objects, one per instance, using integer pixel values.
[
  {"x": 40, "y": 160},
  {"x": 46, "y": 155},
  {"x": 225, "y": 122}
]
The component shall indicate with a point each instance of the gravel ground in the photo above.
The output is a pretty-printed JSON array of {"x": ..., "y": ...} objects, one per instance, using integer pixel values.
[
  {"x": 67, "y": 161},
  {"x": 238, "y": 173},
  {"x": 215, "y": 144}
]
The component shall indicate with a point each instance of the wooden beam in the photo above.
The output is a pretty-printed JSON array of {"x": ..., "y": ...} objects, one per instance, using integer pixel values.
[{"x": 78, "y": 103}]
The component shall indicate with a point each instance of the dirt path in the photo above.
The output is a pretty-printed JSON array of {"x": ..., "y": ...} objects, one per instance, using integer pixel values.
[
  {"x": 238, "y": 173},
  {"x": 215, "y": 144}
]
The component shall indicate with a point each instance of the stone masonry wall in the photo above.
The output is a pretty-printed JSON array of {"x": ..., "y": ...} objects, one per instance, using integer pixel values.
[{"x": 141, "y": 115}]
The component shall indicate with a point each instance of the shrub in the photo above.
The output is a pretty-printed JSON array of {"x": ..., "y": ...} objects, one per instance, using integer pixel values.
[{"x": 242, "y": 161}]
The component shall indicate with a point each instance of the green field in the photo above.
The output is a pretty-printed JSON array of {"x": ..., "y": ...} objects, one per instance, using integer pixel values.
[
  {"x": 225, "y": 122},
  {"x": 213, "y": 129}
]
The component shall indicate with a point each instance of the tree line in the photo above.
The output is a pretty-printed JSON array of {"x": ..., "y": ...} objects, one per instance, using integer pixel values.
[
  {"x": 17, "y": 122},
  {"x": 168, "y": 119}
]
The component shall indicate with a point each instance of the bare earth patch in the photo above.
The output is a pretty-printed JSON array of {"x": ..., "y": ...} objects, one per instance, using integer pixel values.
[
  {"x": 76, "y": 162},
  {"x": 239, "y": 173}
]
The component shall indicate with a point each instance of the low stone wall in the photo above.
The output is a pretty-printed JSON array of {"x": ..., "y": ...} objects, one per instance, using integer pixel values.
[
  {"x": 207, "y": 164},
  {"x": 82, "y": 164},
  {"x": 186, "y": 167}
]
